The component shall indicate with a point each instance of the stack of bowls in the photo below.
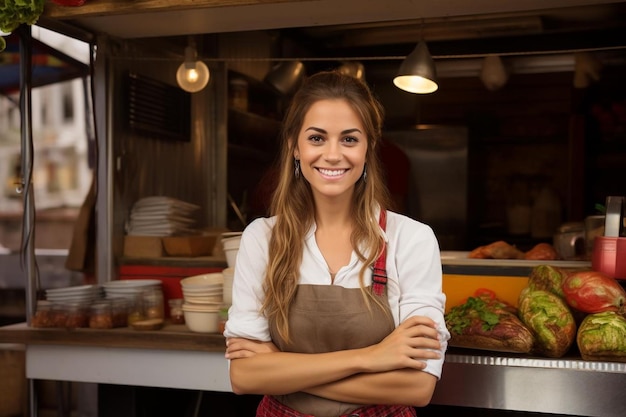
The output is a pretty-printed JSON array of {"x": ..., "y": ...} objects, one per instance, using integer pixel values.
[
  {"x": 203, "y": 296},
  {"x": 230, "y": 244},
  {"x": 229, "y": 274}
]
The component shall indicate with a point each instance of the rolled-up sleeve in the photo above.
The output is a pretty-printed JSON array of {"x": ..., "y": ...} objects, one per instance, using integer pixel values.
[
  {"x": 416, "y": 281},
  {"x": 244, "y": 316}
]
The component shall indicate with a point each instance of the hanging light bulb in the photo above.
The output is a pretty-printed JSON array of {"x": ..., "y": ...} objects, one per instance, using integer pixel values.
[
  {"x": 192, "y": 75},
  {"x": 417, "y": 72}
]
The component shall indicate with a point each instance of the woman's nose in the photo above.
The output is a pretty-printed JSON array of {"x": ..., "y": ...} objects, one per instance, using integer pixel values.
[{"x": 333, "y": 151}]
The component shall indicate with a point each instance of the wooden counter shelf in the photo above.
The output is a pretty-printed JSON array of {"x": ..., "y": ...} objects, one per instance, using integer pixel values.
[{"x": 170, "y": 337}]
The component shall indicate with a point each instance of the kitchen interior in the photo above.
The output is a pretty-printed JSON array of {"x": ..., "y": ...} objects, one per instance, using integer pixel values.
[{"x": 488, "y": 149}]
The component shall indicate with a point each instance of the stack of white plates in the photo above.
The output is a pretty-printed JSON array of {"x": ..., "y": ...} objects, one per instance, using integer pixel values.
[
  {"x": 162, "y": 216},
  {"x": 75, "y": 294},
  {"x": 130, "y": 288}
]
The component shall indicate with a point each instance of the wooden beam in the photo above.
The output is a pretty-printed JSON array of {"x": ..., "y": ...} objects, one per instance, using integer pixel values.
[{"x": 93, "y": 8}]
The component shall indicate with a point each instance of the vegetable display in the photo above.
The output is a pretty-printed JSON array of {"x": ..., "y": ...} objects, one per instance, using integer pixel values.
[{"x": 558, "y": 310}]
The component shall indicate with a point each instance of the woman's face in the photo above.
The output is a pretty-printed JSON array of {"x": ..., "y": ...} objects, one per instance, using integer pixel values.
[{"x": 331, "y": 147}]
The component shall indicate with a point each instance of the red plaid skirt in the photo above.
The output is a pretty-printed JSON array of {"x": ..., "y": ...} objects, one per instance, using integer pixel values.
[{"x": 271, "y": 407}]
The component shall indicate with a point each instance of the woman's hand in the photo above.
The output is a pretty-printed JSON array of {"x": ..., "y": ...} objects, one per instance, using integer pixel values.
[
  {"x": 407, "y": 346},
  {"x": 237, "y": 348}
]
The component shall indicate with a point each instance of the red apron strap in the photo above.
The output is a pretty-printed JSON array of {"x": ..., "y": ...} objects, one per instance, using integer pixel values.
[{"x": 379, "y": 277}]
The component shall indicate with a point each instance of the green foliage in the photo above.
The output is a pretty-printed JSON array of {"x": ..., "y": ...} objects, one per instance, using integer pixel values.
[{"x": 16, "y": 12}]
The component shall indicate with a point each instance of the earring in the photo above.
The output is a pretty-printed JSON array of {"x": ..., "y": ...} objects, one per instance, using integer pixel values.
[
  {"x": 364, "y": 176},
  {"x": 296, "y": 171}
]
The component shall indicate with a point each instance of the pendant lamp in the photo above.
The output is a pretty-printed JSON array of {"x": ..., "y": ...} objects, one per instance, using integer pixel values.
[
  {"x": 354, "y": 69},
  {"x": 192, "y": 75},
  {"x": 286, "y": 76},
  {"x": 417, "y": 72}
]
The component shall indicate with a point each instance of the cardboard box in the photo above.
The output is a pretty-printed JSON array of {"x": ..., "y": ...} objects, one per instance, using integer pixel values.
[
  {"x": 189, "y": 245},
  {"x": 143, "y": 247}
]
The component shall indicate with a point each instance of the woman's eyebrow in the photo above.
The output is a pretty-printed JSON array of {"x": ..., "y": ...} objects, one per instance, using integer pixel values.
[{"x": 344, "y": 132}]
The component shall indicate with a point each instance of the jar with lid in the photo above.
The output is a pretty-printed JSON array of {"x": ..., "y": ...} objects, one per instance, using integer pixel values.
[
  {"x": 176, "y": 311},
  {"x": 153, "y": 304},
  {"x": 101, "y": 316}
]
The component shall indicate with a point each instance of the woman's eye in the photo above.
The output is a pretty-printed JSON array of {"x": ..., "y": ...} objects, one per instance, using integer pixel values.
[
  {"x": 350, "y": 139},
  {"x": 316, "y": 138}
]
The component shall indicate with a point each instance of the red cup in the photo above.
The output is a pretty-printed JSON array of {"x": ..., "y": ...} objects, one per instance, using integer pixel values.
[{"x": 609, "y": 256}]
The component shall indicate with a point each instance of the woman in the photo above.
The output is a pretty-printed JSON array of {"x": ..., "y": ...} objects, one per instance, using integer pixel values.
[{"x": 311, "y": 327}]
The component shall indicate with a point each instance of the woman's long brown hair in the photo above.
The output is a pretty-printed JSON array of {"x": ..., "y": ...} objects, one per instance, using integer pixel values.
[{"x": 293, "y": 203}]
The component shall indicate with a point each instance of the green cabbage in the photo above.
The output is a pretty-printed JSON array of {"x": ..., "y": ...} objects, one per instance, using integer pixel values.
[{"x": 16, "y": 12}]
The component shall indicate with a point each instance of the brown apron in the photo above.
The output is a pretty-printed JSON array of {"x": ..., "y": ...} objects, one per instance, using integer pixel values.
[{"x": 327, "y": 318}]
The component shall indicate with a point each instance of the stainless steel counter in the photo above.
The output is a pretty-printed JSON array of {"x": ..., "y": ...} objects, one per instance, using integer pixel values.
[
  {"x": 470, "y": 378},
  {"x": 562, "y": 386}
]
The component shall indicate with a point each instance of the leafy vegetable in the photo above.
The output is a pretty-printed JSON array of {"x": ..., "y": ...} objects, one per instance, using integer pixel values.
[
  {"x": 16, "y": 12},
  {"x": 461, "y": 316}
]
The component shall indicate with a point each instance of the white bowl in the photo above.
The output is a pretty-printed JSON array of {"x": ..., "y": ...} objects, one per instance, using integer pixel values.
[
  {"x": 217, "y": 299},
  {"x": 202, "y": 295},
  {"x": 202, "y": 287},
  {"x": 201, "y": 321},
  {"x": 231, "y": 242},
  {"x": 203, "y": 279},
  {"x": 231, "y": 256},
  {"x": 201, "y": 307}
]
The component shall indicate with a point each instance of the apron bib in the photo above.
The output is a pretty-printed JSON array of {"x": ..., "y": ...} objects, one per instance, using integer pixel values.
[{"x": 327, "y": 318}]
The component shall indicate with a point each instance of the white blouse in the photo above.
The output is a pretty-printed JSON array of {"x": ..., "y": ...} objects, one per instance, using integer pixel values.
[{"x": 414, "y": 284}]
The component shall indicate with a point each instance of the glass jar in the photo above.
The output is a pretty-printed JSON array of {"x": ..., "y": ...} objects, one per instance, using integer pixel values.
[
  {"x": 43, "y": 315},
  {"x": 119, "y": 311},
  {"x": 176, "y": 311},
  {"x": 77, "y": 316},
  {"x": 101, "y": 316},
  {"x": 59, "y": 315},
  {"x": 135, "y": 310},
  {"x": 153, "y": 304}
]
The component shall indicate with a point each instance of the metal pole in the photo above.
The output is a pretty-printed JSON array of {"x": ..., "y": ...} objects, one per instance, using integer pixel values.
[{"x": 28, "y": 222}]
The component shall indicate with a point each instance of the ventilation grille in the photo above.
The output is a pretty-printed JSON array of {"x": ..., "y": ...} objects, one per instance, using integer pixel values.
[{"x": 156, "y": 109}]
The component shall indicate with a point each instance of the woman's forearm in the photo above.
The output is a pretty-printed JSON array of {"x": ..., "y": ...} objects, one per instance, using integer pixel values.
[
  {"x": 283, "y": 372},
  {"x": 403, "y": 387}
]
